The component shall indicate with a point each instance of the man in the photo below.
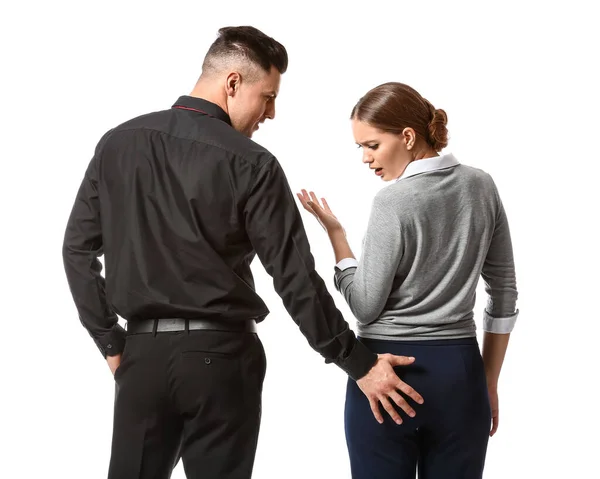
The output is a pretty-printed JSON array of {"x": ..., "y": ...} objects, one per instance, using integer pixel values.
[{"x": 179, "y": 202}]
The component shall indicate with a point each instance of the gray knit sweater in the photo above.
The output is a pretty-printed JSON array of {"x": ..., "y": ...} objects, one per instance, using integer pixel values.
[{"x": 431, "y": 235}]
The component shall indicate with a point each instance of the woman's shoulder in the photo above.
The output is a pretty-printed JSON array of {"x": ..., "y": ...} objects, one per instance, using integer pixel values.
[
  {"x": 474, "y": 172},
  {"x": 394, "y": 197}
]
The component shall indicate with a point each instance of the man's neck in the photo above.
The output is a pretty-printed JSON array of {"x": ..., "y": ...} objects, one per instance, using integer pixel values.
[{"x": 210, "y": 92}]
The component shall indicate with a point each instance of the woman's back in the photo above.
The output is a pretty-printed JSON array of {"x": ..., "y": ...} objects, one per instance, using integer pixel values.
[{"x": 425, "y": 248}]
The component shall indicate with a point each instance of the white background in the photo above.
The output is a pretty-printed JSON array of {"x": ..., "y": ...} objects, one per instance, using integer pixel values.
[{"x": 518, "y": 81}]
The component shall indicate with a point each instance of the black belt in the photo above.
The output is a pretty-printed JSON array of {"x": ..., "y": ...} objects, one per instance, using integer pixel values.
[{"x": 163, "y": 325}]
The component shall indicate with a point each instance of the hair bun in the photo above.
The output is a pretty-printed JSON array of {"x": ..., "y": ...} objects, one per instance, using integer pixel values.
[{"x": 438, "y": 133}]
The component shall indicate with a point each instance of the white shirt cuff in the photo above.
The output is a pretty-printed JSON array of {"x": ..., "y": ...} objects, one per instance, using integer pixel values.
[
  {"x": 503, "y": 325},
  {"x": 347, "y": 263}
]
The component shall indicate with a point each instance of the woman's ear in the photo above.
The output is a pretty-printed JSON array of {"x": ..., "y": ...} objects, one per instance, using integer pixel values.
[{"x": 410, "y": 137}]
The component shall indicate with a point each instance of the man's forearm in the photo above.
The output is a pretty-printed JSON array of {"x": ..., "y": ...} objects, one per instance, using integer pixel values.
[
  {"x": 275, "y": 228},
  {"x": 494, "y": 350},
  {"x": 88, "y": 290},
  {"x": 81, "y": 248},
  {"x": 340, "y": 245}
]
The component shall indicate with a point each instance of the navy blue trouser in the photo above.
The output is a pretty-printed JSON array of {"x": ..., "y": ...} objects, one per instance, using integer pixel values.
[{"x": 447, "y": 439}]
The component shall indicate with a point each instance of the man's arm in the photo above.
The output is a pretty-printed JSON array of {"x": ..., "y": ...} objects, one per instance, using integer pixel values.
[
  {"x": 275, "y": 228},
  {"x": 81, "y": 248}
]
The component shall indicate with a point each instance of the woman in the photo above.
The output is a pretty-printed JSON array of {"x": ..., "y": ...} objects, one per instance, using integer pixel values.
[{"x": 431, "y": 234}]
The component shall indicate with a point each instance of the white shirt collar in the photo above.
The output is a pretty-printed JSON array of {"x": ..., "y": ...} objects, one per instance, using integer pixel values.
[{"x": 429, "y": 164}]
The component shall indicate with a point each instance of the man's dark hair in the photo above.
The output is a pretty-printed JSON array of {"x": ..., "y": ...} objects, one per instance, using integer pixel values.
[{"x": 246, "y": 43}]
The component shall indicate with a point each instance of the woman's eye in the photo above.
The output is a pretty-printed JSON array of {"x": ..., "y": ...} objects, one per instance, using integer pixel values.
[{"x": 371, "y": 147}]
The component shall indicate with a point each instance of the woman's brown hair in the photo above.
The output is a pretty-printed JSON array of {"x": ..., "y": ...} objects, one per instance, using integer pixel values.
[{"x": 392, "y": 107}]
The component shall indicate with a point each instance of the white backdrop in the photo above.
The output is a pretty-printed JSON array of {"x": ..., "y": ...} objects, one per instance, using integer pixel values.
[{"x": 519, "y": 82}]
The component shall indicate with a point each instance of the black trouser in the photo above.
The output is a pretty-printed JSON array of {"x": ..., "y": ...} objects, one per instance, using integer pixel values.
[{"x": 194, "y": 395}]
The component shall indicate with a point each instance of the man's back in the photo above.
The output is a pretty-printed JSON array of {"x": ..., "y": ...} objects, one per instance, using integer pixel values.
[
  {"x": 172, "y": 187},
  {"x": 180, "y": 203}
]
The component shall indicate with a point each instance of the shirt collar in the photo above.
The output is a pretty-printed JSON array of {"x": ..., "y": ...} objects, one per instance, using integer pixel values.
[
  {"x": 201, "y": 105},
  {"x": 429, "y": 164}
]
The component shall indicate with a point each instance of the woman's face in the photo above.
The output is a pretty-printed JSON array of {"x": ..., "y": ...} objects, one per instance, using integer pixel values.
[{"x": 385, "y": 153}]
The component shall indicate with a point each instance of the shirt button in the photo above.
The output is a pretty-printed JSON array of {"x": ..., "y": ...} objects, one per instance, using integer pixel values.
[{"x": 207, "y": 360}]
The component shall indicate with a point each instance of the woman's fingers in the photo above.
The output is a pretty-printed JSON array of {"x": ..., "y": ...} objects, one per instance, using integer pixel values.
[
  {"x": 314, "y": 198},
  {"x": 304, "y": 202}
]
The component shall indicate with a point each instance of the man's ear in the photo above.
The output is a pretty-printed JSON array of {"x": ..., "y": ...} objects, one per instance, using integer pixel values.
[{"x": 234, "y": 79}]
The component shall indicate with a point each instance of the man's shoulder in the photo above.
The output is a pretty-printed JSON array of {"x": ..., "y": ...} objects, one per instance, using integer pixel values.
[
  {"x": 145, "y": 120},
  {"x": 233, "y": 141},
  {"x": 211, "y": 133}
]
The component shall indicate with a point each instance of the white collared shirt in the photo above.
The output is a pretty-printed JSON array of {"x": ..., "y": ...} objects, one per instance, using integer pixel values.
[{"x": 429, "y": 164}]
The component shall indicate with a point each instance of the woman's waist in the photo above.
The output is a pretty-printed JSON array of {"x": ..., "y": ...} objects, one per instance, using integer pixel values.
[{"x": 419, "y": 329}]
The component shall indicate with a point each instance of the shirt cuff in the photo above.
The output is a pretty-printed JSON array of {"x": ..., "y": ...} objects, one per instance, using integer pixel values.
[
  {"x": 502, "y": 325},
  {"x": 113, "y": 342},
  {"x": 347, "y": 263},
  {"x": 359, "y": 362},
  {"x": 340, "y": 276}
]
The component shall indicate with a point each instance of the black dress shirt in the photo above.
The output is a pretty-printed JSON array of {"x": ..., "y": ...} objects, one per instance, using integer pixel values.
[{"x": 179, "y": 203}]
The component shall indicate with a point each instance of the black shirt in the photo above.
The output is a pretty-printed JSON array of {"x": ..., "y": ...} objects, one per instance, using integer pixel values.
[{"x": 179, "y": 203}]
